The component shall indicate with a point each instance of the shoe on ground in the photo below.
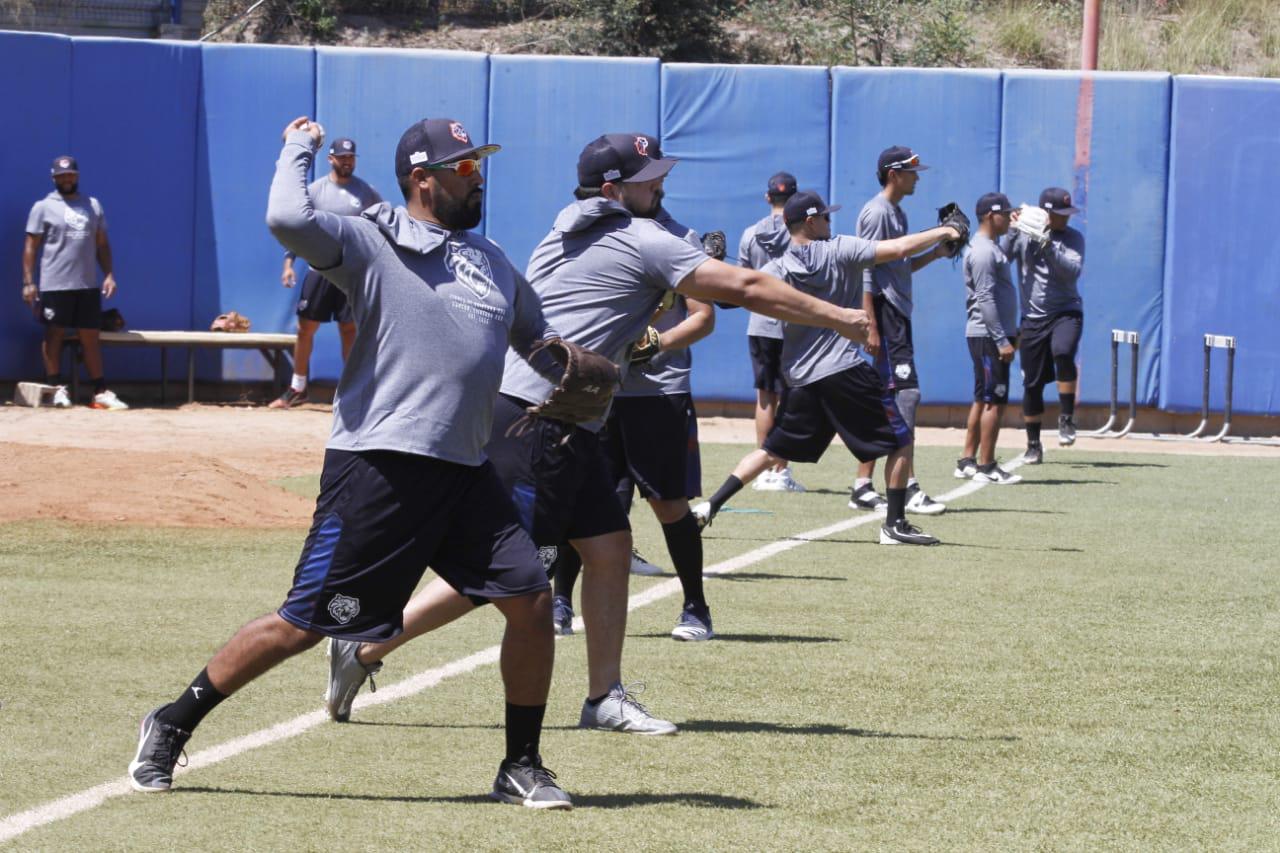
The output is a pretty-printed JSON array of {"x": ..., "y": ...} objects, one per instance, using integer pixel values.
[
  {"x": 694, "y": 624},
  {"x": 866, "y": 497},
  {"x": 289, "y": 399},
  {"x": 346, "y": 676},
  {"x": 993, "y": 473},
  {"x": 903, "y": 532},
  {"x": 160, "y": 749},
  {"x": 527, "y": 783},
  {"x": 106, "y": 400},
  {"x": 620, "y": 712},
  {"x": 1034, "y": 454},
  {"x": 921, "y": 504},
  {"x": 1066, "y": 430},
  {"x": 562, "y": 615},
  {"x": 641, "y": 566},
  {"x": 789, "y": 483},
  {"x": 966, "y": 467},
  {"x": 769, "y": 481},
  {"x": 61, "y": 399},
  {"x": 703, "y": 515}
]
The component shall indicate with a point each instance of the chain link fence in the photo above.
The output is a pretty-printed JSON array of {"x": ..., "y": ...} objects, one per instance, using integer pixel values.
[{"x": 108, "y": 17}]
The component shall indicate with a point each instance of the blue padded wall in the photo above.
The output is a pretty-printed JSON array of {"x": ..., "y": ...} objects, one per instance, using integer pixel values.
[
  {"x": 543, "y": 110},
  {"x": 716, "y": 119},
  {"x": 247, "y": 96},
  {"x": 372, "y": 96},
  {"x": 952, "y": 120},
  {"x": 1117, "y": 174},
  {"x": 133, "y": 130},
  {"x": 1222, "y": 261},
  {"x": 37, "y": 69}
]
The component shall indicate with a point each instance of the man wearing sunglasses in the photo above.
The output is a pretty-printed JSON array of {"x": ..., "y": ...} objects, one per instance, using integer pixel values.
[
  {"x": 406, "y": 482},
  {"x": 886, "y": 296},
  {"x": 343, "y": 194},
  {"x": 833, "y": 390}
]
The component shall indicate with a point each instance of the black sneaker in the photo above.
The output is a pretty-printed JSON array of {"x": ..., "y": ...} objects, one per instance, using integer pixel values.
[
  {"x": 1066, "y": 430},
  {"x": 966, "y": 467},
  {"x": 903, "y": 532},
  {"x": 993, "y": 473},
  {"x": 866, "y": 497},
  {"x": 527, "y": 783},
  {"x": 1034, "y": 454},
  {"x": 159, "y": 751},
  {"x": 289, "y": 399}
]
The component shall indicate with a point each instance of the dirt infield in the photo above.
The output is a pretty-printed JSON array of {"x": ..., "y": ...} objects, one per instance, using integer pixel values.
[{"x": 214, "y": 466}]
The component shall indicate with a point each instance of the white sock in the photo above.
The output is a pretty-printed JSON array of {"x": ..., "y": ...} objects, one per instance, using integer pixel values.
[
  {"x": 299, "y": 383},
  {"x": 861, "y": 481},
  {"x": 913, "y": 483}
]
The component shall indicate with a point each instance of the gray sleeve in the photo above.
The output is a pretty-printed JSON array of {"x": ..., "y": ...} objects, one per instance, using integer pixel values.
[
  {"x": 855, "y": 251},
  {"x": 102, "y": 214},
  {"x": 668, "y": 259},
  {"x": 1009, "y": 244},
  {"x": 744, "y": 247},
  {"x": 35, "y": 219},
  {"x": 530, "y": 329},
  {"x": 1065, "y": 260},
  {"x": 313, "y": 235},
  {"x": 982, "y": 266},
  {"x": 873, "y": 224}
]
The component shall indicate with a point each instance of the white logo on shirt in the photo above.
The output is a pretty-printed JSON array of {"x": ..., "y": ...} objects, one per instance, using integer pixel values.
[
  {"x": 77, "y": 223},
  {"x": 470, "y": 267}
]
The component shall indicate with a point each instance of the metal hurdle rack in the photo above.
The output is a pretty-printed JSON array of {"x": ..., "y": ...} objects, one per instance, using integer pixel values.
[{"x": 1118, "y": 337}]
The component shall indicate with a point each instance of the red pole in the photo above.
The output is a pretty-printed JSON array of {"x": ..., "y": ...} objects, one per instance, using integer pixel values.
[{"x": 1089, "y": 36}]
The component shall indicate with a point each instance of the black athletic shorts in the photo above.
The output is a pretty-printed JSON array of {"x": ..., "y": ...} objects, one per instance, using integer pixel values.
[
  {"x": 653, "y": 443},
  {"x": 71, "y": 309},
  {"x": 1045, "y": 338},
  {"x": 766, "y": 362},
  {"x": 322, "y": 301},
  {"x": 853, "y": 404},
  {"x": 561, "y": 488},
  {"x": 897, "y": 359},
  {"x": 990, "y": 374},
  {"x": 381, "y": 519}
]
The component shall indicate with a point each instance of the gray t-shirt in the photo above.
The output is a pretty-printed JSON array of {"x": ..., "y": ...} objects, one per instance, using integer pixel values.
[
  {"x": 1048, "y": 275},
  {"x": 348, "y": 199},
  {"x": 435, "y": 311},
  {"x": 762, "y": 242},
  {"x": 600, "y": 274},
  {"x": 989, "y": 296},
  {"x": 881, "y": 219},
  {"x": 831, "y": 270},
  {"x": 69, "y": 253}
]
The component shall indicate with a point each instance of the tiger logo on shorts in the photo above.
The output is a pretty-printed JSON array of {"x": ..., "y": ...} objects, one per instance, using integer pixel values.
[
  {"x": 344, "y": 608},
  {"x": 547, "y": 556}
]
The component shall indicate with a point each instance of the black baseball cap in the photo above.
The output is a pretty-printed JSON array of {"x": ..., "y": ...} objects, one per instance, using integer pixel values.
[
  {"x": 1057, "y": 200},
  {"x": 783, "y": 183},
  {"x": 64, "y": 165},
  {"x": 899, "y": 158},
  {"x": 993, "y": 203},
  {"x": 626, "y": 158},
  {"x": 804, "y": 204},
  {"x": 342, "y": 145},
  {"x": 433, "y": 141}
]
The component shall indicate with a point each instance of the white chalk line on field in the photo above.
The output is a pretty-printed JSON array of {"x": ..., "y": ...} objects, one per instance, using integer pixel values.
[{"x": 64, "y": 807}]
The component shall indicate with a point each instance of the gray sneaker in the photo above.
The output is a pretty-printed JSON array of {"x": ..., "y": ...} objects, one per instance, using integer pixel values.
[
  {"x": 346, "y": 677},
  {"x": 159, "y": 751},
  {"x": 694, "y": 625},
  {"x": 620, "y": 712},
  {"x": 562, "y": 615},
  {"x": 527, "y": 783}
]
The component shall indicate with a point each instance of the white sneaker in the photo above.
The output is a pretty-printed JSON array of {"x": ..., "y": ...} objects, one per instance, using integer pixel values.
[
  {"x": 997, "y": 475},
  {"x": 107, "y": 400},
  {"x": 641, "y": 566},
  {"x": 694, "y": 625},
  {"x": 620, "y": 712},
  {"x": 769, "y": 481},
  {"x": 61, "y": 399},
  {"x": 921, "y": 504},
  {"x": 702, "y": 514},
  {"x": 789, "y": 483}
]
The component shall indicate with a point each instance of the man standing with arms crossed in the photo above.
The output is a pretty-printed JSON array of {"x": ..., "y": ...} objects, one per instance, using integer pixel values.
[{"x": 342, "y": 194}]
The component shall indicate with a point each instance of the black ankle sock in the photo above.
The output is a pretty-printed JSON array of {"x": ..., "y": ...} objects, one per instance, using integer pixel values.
[
  {"x": 897, "y": 505},
  {"x": 99, "y": 384},
  {"x": 524, "y": 730},
  {"x": 53, "y": 379},
  {"x": 728, "y": 489},
  {"x": 567, "y": 567},
  {"x": 684, "y": 543},
  {"x": 1033, "y": 433},
  {"x": 593, "y": 701},
  {"x": 196, "y": 701},
  {"x": 1068, "y": 402}
]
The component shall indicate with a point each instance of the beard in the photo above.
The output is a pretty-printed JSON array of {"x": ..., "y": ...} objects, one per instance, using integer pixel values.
[
  {"x": 344, "y": 171},
  {"x": 646, "y": 212},
  {"x": 458, "y": 214},
  {"x": 70, "y": 190}
]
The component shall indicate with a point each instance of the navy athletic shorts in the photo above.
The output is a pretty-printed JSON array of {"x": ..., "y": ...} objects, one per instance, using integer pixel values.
[
  {"x": 990, "y": 374},
  {"x": 322, "y": 301},
  {"x": 71, "y": 309},
  {"x": 653, "y": 443},
  {"x": 853, "y": 404},
  {"x": 897, "y": 359},
  {"x": 381, "y": 519},
  {"x": 766, "y": 362},
  {"x": 1042, "y": 340},
  {"x": 555, "y": 474}
]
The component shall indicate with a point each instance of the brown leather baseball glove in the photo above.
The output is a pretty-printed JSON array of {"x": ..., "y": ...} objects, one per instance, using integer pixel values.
[{"x": 585, "y": 389}]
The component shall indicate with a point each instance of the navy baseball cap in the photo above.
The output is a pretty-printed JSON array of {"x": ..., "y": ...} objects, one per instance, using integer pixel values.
[
  {"x": 1058, "y": 200},
  {"x": 342, "y": 145},
  {"x": 899, "y": 158},
  {"x": 993, "y": 203},
  {"x": 783, "y": 183},
  {"x": 64, "y": 165},
  {"x": 626, "y": 158},
  {"x": 804, "y": 204},
  {"x": 433, "y": 141}
]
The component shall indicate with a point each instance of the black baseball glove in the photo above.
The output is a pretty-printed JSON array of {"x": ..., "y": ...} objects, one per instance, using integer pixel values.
[
  {"x": 586, "y": 388},
  {"x": 952, "y": 216},
  {"x": 715, "y": 245}
]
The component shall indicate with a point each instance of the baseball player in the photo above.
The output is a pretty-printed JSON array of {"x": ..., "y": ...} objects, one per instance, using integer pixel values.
[
  {"x": 406, "y": 483},
  {"x": 68, "y": 231},
  {"x": 1049, "y": 267},
  {"x": 342, "y": 194},
  {"x": 601, "y": 272},
  {"x": 833, "y": 390},
  {"x": 762, "y": 242},
  {"x": 992, "y": 333},
  {"x": 886, "y": 296}
]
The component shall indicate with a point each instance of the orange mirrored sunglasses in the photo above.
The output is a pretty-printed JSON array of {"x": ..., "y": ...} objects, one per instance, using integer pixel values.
[{"x": 464, "y": 168}]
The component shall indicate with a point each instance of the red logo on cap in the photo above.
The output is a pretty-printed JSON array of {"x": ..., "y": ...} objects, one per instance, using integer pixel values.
[
  {"x": 642, "y": 146},
  {"x": 782, "y": 188},
  {"x": 459, "y": 132},
  {"x": 1066, "y": 199}
]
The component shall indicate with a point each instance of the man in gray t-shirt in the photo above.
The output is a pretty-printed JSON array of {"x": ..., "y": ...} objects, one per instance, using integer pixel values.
[
  {"x": 67, "y": 233},
  {"x": 341, "y": 193}
]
